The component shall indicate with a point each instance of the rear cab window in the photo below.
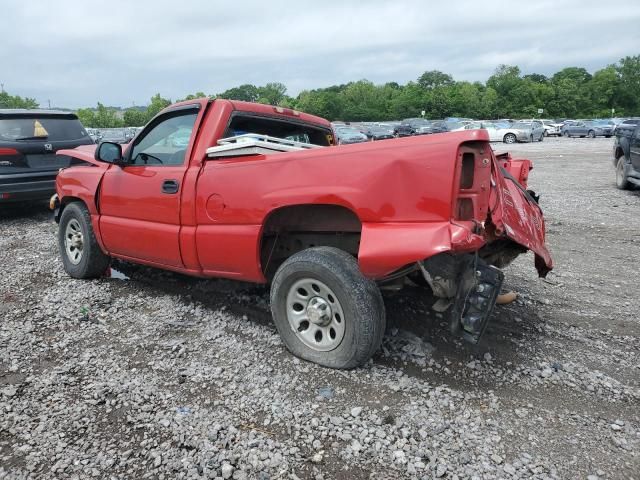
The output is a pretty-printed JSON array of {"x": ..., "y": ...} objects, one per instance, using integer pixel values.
[{"x": 242, "y": 123}]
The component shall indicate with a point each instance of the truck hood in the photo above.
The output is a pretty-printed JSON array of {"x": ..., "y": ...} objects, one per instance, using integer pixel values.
[{"x": 85, "y": 153}]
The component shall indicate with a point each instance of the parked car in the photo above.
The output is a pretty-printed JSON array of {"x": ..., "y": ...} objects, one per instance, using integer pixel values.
[
  {"x": 94, "y": 133},
  {"x": 626, "y": 155},
  {"x": 117, "y": 135},
  {"x": 375, "y": 132},
  {"x": 29, "y": 140},
  {"x": 535, "y": 128},
  {"x": 588, "y": 129},
  {"x": 500, "y": 132},
  {"x": 320, "y": 223},
  {"x": 441, "y": 126},
  {"x": 413, "y": 126},
  {"x": 627, "y": 121},
  {"x": 552, "y": 128},
  {"x": 347, "y": 135}
]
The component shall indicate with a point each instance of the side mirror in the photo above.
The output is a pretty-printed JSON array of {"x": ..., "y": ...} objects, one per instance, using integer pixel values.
[{"x": 109, "y": 152}]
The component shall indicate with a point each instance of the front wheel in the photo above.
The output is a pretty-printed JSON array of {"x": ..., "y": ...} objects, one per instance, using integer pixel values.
[
  {"x": 622, "y": 181},
  {"x": 566, "y": 134},
  {"x": 81, "y": 254},
  {"x": 545, "y": 133},
  {"x": 325, "y": 310},
  {"x": 591, "y": 134},
  {"x": 509, "y": 138}
]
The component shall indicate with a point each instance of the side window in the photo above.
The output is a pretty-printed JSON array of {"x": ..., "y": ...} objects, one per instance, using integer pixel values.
[{"x": 166, "y": 142}]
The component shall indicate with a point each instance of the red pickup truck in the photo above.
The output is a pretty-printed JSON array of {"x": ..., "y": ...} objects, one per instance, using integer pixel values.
[{"x": 324, "y": 226}]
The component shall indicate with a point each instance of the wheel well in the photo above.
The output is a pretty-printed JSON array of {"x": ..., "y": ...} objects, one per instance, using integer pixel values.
[
  {"x": 66, "y": 201},
  {"x": 291, "y": 229},
  {"x": 619, "y": 153}
]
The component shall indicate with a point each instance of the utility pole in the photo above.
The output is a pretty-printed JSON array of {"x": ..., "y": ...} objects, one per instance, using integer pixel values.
[
  {"x": 1, "y": 87},
  {"x": 49, "y": 103}
]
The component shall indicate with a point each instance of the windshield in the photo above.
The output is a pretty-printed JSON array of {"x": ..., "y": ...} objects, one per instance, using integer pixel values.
[
  {"x": 39, "y": 127},
  {"x": 522, "y": 125}
]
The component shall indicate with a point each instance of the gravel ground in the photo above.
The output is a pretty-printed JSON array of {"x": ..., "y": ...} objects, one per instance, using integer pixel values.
[{"x": 155, "y": 375}]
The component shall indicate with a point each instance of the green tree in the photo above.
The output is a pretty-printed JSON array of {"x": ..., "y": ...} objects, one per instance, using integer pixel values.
[
  {"x": 435, "y": 79},
  {"x": 272, "y": 93},
  {"x": 245, "y": 93},
  {"x": 87, "y": 117},
  {"x": 106, "y": 118},
  {"x": 628, "y": 69},
  {"x": 15, "y": 101},
  {"x": 134, "y": 117},
  {"x": 156, "y": 106}
]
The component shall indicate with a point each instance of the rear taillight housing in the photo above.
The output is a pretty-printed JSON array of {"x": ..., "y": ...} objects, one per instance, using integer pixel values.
[{"x": 472, "y": 183}]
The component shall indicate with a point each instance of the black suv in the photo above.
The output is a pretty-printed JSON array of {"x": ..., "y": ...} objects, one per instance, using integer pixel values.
[{"x": 29, "y": 140}]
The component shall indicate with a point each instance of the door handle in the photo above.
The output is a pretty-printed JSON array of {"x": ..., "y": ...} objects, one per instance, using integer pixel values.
[{"x": 170, "y": 186}]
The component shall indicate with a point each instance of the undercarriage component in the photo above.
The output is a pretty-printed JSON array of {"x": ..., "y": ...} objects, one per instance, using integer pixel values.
[{"x": 469, "y": 286}]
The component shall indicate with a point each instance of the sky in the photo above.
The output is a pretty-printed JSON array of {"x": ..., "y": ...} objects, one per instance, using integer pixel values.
[{"x": 75, "y": 53}]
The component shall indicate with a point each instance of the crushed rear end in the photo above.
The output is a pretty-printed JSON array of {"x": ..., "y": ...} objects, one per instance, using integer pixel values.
[{"x": 494, "y": 219}]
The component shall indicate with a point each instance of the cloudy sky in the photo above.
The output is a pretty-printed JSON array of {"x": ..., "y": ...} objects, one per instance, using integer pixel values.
[{"x": 75, "y": 53}]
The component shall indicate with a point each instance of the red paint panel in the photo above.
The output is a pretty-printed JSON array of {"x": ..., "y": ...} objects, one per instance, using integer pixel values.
[
  {"x": 230, "y": 251},
  {"x": 152, "y": 241},
  {"x": 386, "y": 247}
]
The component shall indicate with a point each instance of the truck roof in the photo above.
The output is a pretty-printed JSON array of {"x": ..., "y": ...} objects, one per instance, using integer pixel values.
[{"x": 259, "y": 108}]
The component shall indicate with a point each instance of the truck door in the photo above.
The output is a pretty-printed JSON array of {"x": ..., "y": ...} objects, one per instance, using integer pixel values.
[
  {"x": 140, "y": 202},
  {"x": 634, "y": 149}
]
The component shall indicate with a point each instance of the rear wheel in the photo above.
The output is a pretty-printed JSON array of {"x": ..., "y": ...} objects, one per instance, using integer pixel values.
[
  {"x": 509, "y": 138},
  {"x": 591, "y": 134},
  {"x": 566, "y": 134},
  {"x": 622, "y": 181},
  {"x": 545, "y": 133},
  {"x": 325, "y": 310},
  {"x": 81, "y": 254}
]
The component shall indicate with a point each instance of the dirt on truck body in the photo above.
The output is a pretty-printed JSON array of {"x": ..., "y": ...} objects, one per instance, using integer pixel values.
[{"x": 324, "y": 225}]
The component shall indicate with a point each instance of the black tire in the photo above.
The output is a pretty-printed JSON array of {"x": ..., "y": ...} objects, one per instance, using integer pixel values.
[
  {"x": 591, "y": 134},
  {"x": 509, "y": 138},
  {"x": 622, "y": 181},
  {"x": 92, "y": 261},
  {"x": 541, "y": 137},
  {"x": 607, "y": 136},
  {"x": 545, "y": 133},
  {"x": 566, "y": 134},
  {"x": 358, "y": 297}
]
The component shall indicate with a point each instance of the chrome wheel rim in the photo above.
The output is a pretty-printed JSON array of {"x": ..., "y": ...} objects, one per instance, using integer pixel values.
[
  {"x": 509, "y": 139},
  {"x": 315, "y": 315},
  {"x": 73, "y": 241}
]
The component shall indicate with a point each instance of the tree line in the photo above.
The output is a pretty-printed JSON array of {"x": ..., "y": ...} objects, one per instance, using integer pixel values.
[{"x": 572, "y": 92}]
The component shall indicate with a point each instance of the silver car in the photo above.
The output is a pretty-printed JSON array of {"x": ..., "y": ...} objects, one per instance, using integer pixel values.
[{"x": 534, "y": 129}]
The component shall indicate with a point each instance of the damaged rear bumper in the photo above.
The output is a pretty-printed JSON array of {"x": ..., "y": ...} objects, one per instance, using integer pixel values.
[{"x": 467, "y": 289}]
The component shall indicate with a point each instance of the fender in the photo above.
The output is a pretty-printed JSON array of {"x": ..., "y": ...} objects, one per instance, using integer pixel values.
[{"x": 82, "y": 182}]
